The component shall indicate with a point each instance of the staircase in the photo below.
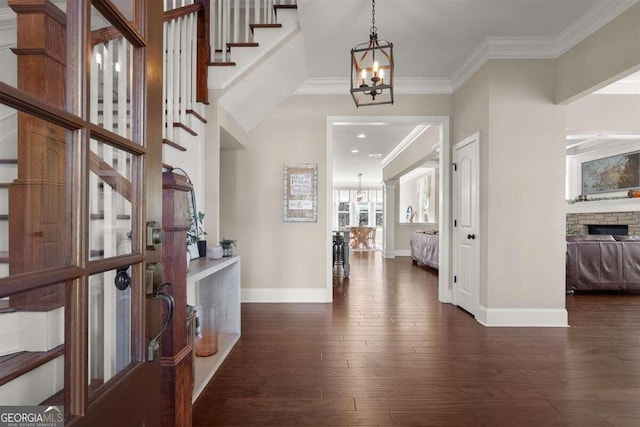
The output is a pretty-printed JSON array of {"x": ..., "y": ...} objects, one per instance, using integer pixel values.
[{"x": 254, "y": 40}]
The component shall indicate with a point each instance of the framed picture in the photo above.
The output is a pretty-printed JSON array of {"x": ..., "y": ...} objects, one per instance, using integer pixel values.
[
  {"x": 300, "y": 192},
  {"x": 614, "y": 173}
]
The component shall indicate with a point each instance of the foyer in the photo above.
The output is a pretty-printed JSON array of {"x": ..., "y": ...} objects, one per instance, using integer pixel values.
[{"x": 387, "y": 353}]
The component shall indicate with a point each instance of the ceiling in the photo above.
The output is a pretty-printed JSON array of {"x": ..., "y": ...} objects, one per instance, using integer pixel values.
[
  {"x": 435, "y": 40},
  {"x": 380, "y": 139}
]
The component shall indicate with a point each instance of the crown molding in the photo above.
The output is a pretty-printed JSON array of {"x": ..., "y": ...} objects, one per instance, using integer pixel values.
[
  {"x": 503, "y": 48},
  {"x": 539, "y": 47},
  {"x": 594, "y": 19},
  {"x": 402, "y": 85},
  {"x": 407, "y": 141}
]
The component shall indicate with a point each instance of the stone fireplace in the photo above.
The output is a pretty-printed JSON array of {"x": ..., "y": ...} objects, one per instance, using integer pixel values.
[{"x": 580, "y": 222}]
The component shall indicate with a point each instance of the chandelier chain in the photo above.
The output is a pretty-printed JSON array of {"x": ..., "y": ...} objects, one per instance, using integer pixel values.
[{"x": 374, "y": 29}]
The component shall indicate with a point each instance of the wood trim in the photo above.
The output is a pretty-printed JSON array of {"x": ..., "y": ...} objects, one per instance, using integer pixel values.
[
  {"x": 184, "y": 127},
  {"x": 104, "y": 35},
  {"x": 37, "y": 51},
  {"x": 230, "y": 45},
  {"x": 14, "y": 365},
  {"x": 222, "y": 64},
  {"x": 112, "y": 14},
  {"x": 254, "y": 26},
  {"x": 15, "y": 161},
  {"x": 173, "y": 144},
  {"x": 38, "y": 279},
  {"x": 194, "y": 114},
  {"x": 44, "y": 7},
  {"x": 111, "y": 138},
  {"x": 27, "y": 103},
  {"x": 107, "y": 264},
  {"x": 111, "y": 176},
  {"x": 203, "y": 52},
  {"x": 179, "y": 12}
]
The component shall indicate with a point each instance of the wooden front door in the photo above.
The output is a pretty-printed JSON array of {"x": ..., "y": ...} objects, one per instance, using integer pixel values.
[{"x": 85, "y": 109}]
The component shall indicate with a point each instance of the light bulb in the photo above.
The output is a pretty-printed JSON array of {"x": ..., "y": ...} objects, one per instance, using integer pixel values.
[
  {"x": 375, "y": 66},
  {"x": 364, "y": 75},
  {"x": 381, "y": 74}
]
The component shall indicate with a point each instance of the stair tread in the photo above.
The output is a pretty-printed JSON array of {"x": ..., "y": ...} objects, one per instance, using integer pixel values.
[
  {"x": 285, "y": 6},
  {"x": 4, "y": 257},
  {"x": 248, "y": 44},
  {"x": 197, "y": 116},
  {"x": 14, "y": 365},
  {"x": 4, "y": 217},
  {"x": 8, "y": 161},
  {"x": 253, "y": 26},
  {"x": 222, "y": 64},
  {"x": 173, "y": 144},
  {"x": 185, "y": 127}
]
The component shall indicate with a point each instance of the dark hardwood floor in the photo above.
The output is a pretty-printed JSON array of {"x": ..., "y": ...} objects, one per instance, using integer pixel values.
[{"x": 386, "y": 353}]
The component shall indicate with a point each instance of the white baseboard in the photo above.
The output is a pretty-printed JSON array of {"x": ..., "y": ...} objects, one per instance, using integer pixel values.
[
  {"x": 403, "y": 252},
  {"x": 523, "y": 317},
  {"x": 275, "y": 295}
]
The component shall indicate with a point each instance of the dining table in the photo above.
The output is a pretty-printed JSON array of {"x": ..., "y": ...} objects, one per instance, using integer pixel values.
[{"x": 359, "y": 237}]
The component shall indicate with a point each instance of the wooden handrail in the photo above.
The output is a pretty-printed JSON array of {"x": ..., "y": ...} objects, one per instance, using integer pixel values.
[{"x": 179, "y": 12}]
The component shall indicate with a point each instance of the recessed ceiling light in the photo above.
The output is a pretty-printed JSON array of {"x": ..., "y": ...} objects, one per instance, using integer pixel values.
[
  {"x": 354, "y": 151},
  {"x": 375, "y": 155},
  {"x": 362, "y": 135}
]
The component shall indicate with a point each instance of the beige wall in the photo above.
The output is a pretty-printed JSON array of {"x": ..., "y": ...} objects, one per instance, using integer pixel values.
[
  {"x": 471, "y": 115},
  {"x": 526, "y": 205},
  {"x": 292, "y": 255},
  {"x": 604, "y": 114},
  {"x": 510, "y": 102},
  {"x": 607, "y": 55}
]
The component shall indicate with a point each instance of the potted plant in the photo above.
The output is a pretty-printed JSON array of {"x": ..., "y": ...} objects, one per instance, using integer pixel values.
[
  {"x": 227, "y": 246},
  {"x": 197, "y": 235}
]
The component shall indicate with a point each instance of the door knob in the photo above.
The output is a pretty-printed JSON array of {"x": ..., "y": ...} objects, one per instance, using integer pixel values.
[{"x": 471, "y": 236}]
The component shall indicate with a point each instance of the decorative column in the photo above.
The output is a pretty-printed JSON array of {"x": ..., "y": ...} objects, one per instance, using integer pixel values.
[
  {"x": 390, "y": 208},
  {"x": 176, "y": 361}
]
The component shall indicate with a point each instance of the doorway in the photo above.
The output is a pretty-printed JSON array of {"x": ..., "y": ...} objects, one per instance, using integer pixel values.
[{"x": 401, "y": 151}]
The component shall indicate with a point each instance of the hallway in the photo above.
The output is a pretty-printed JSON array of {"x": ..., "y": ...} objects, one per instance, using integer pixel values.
[{"x": 387, "y": 353}]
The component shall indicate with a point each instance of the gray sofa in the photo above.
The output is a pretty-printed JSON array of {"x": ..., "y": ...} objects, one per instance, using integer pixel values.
[{"x": 603, "y": 263}]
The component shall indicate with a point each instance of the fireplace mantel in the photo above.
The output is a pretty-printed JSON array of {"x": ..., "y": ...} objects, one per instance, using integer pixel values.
[{"x": 598, "y": 206}]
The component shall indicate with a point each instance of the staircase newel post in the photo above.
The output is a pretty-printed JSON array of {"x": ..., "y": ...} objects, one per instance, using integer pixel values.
[{"x": 204, "y": 52}]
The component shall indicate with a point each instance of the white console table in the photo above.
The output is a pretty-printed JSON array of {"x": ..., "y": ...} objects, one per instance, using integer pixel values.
[{"x": 215, "y": 282}]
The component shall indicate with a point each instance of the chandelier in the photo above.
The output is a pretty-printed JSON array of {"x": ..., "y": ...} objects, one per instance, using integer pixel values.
[
  {"x": 372, "y": 69},
  {"x": 360, "y": 195}
]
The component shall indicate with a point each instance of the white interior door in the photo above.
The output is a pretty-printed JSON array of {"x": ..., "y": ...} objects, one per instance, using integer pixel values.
[{"x": 466, "y": 252}]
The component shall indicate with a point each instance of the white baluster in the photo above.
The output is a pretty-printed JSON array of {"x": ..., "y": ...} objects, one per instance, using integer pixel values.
[
  {"x": 236, "y": 21},
  {"x": 176, "y": 78},
  {"x": 256, "y": 11},
  {"x": 107, "y": 86},
  {"x": 165, "y": 77},
  {"x": 170, "y": 79},
  {"x": 264, "y": 12},
  {"x": 194, "y": 59},
  {"x": 245, "y": 23},
  {"x": 219, "y": 28},
  {"x": 122, "y": 78},
  {"x": 270, "y": 19},
  {"x": 184, "y": 75},
  {"x": 226, "y": 27}
]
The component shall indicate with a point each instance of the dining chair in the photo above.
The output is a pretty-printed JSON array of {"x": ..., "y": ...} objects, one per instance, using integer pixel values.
[{"x": 372, "y": 237}]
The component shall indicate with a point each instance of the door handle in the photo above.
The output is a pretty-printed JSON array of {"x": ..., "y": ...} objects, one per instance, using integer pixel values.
[
  {"x": 471, "y": 236},
  {"x": 154, "y": 344}
]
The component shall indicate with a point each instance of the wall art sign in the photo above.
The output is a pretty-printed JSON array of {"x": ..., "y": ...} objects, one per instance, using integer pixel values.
[{"x": 300, "y": 192}]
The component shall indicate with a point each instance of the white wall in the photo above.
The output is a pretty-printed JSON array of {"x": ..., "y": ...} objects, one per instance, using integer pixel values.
[{"x": 293, "y": 257}]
